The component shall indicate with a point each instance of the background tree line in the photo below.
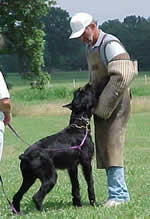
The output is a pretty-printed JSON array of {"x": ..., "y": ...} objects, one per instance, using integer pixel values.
[{"x": 37, "y": 37}]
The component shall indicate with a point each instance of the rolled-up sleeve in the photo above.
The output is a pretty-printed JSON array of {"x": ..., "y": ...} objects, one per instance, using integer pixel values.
[{"x": 4, "y": 93}]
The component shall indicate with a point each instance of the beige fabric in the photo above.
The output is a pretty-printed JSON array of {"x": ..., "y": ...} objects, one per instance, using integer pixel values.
[
  {"x": 109, "y": 99},
  {"x": 110, "y": 134},
  {"x": 96, "y": 68},
  {"x": 126, "y": 68},
  {"x": 121, "y": 73},
  {"x": 113, "y": 109}
]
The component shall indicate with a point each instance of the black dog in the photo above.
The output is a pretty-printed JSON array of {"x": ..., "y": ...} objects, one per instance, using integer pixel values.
[{"x": 64, "y": 150}]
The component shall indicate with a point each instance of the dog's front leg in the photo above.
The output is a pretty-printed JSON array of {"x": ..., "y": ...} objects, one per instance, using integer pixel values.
[
  {"x": 73, "y": 173},
  {"x": 87, "y": 171}
]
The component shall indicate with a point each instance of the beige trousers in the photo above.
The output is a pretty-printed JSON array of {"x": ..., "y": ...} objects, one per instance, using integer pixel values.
[{"x": 110, "y": 134}]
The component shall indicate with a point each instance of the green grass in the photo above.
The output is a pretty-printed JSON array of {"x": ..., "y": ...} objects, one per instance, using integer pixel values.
[
  {"x": 58, "y": 202},
  {"x": 62, "y": 78},
  {"x": 49, "y": 94},
  {"x": 62, "y": 86},
  {"x": 140, "y": 86},
  {"x": 69, "y": 76},
  {"x": 16, "y": 80}
]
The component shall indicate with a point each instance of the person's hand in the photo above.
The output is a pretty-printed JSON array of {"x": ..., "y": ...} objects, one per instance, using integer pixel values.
[{"x": 7, "y": 118}]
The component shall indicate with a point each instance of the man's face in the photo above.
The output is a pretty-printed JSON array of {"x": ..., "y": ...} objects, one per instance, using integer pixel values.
[{"x": 88, "y": 36}]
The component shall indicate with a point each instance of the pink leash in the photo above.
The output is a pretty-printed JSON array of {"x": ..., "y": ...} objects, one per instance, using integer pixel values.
[
  {"x": 9, "y": 202},
  {"x": 79, "y": 146}
]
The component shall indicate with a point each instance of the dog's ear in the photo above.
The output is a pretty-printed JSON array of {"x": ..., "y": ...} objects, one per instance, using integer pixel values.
[
  {"x": 69, "y": 106},
  {"x": 87, "y": 87}
]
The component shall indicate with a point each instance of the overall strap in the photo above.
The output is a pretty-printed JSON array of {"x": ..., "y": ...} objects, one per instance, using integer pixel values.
[{"x": 102, "y": 47}]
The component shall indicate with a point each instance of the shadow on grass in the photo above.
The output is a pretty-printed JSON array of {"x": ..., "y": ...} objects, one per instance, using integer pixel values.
[
  {"x": 29, "y": 208},
  {"x": 47, "y": 206}
]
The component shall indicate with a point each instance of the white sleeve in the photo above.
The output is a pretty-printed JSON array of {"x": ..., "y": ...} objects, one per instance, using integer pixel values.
[
  {"x": 4, "y": 93},
  {"x": 113, "y": 49}
]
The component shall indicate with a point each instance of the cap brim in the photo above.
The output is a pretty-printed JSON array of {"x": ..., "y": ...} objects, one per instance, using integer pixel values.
[{"x": 77, "y": 34}]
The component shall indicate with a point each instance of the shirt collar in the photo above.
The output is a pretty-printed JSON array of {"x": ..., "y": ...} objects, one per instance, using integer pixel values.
[{"x": 98, "y": 42}]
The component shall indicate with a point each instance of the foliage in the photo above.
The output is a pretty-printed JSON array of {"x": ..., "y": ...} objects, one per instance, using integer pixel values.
[
  {"x": 49, "y": 94},
  {"x": 134, "y": 32},
  {"x": 21, "y": 24},
  {"x": 60, "y": 52},
  {"x": 42, "y": 81},
  {"x": 9, "y": 63}
]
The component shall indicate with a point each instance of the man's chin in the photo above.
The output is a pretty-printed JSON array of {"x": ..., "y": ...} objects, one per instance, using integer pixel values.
[{"x": 90, "y": 43}]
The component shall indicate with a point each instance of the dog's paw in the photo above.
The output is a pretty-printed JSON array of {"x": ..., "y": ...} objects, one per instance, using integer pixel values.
[
  {"x": 77, "y": 203},
  {"x": 37, "y": 204},
  {"x": 92, "y": 202},
  {"x": 15, "y": 208}
]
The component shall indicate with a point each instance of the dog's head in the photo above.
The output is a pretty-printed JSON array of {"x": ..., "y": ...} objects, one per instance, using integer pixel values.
[{"x": 84, "y": 100}]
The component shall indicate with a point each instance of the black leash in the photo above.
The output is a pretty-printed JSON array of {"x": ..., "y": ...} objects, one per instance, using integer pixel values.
[
  {"x": 9, "y": 202},
  {"x": 16, "y": 134}
]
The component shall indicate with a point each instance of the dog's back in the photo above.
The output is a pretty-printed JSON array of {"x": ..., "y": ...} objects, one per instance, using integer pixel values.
[{"x": 58, "y": 148}]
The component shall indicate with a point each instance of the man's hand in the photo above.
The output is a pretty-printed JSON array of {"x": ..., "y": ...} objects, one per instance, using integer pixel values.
[
  {"x": 5, "y": 107},
  {"x": 7, "y": 118}
]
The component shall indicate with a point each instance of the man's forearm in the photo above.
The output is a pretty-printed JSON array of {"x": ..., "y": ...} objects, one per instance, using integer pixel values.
[{"x": 5, "y": 105}]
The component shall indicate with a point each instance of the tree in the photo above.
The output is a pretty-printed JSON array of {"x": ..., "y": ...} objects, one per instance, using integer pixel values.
[
  {"x": 57, "y": 32},
  {"x": 61, "y": 52},
  {"x": 134, "y": 33},
  {"x": 21, "y": 24}
]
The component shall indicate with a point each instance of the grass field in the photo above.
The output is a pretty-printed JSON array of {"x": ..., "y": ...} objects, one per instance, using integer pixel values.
[
  {"x": 35, "y": 121},
  {"x": 58, "y": 202}
]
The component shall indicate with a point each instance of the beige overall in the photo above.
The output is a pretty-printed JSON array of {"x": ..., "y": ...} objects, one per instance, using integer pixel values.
[{"x": 109, "y": 133}]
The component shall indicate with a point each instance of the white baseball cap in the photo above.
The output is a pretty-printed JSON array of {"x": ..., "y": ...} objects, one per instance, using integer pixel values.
[{"x": 78, "y": 24}]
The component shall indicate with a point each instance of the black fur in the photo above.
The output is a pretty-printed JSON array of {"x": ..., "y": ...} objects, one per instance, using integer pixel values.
[{"x": 42, "y": 158}]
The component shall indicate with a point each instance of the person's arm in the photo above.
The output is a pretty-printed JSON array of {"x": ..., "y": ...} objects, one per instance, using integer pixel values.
[
  {"x": 5, "y": 103},
  {"x": 121, "y": 72},
  {"x": 5, "y": 107}
]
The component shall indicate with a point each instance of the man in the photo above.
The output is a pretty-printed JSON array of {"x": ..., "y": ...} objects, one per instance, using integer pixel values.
[
  {"x": 5, "y": 110},
  {"x": 109, "y": 64}
]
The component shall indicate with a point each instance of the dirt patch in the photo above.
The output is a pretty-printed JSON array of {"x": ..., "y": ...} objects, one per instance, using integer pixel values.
[
  {"x": 7, "y": 150},
  {"x": 39, "y": 110},
  {"x": 139, "y": 104}
]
